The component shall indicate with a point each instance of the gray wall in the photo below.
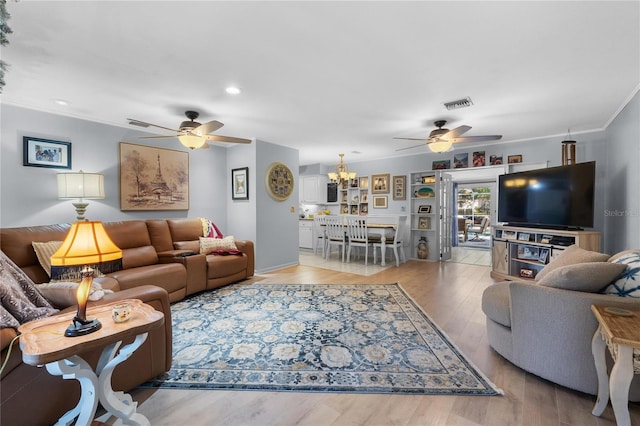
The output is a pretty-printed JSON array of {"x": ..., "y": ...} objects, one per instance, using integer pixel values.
[{"x": 621, "y": 210}]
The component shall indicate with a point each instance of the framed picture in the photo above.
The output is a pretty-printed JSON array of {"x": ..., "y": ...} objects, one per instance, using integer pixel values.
[
  {"x": 479, "y": 159},
  {"x": 379, "y": 201},
  {"x": 514, "y": 159},
  {"x": 441, "y": 165},
  {"x": 544, "y": 255},
  {"x": 153, "y": 178},
  {"x": 526, "y": 273},
  {"x": 240, "y": 183},
  {"x": 279, "y": 181},
  {"x": 364, "y": 182},
  {"x": 461, "y": 161},
  {"x": 495, "y": 160},
  {"x": 523, "y": 236},
  {"x": 424, "y": 209},
  {"x": 380, "y": 184},
  {"x": 399, "y": 184},
  {"x": 424, "y": 223},
  {"x": 509, "y": 235},
  {"x": 38, "y": 152}
]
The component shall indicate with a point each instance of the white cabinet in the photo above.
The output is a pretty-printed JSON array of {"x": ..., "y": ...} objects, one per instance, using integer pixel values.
[
  {"x": 425, "y": 215},
  {"x": 305, "y": 234},
  {"x": 313, "y": 189}
]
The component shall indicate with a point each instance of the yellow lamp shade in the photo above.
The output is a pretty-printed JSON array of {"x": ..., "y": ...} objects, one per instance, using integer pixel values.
[
  {"x": 440, "y": 145},
  {"x": 86, "y": 243}
]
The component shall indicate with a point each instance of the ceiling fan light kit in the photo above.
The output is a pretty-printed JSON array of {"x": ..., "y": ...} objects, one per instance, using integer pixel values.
[
  {"x": 192, "y": 134},
  {"x": 442, "y": 140}
]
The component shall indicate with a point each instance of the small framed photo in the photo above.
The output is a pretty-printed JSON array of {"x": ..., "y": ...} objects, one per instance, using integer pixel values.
[
  {"x": 364, "y": 182},
  {"x": 509, "y": 235},
  {"x": 380, "y": 184},
  {"x": 523, "y": 236},
  {"x": 495, "y": 160},
  {"x": 526, "y": 273},
  {"x": 544, "y": 255},
  {"x": 441, "y": 165},
  {"x": 399, "y": 184},
  {"x": 38, "y": 152},
  {"x": 240, "y": 183},
  {"x": 514, "y": 159},
  {"x": 379, "y": 201},
  {"x": 424, "y": 223},
  {"x": 428, "y": 179},
  {"x": 424, "y": 209}
]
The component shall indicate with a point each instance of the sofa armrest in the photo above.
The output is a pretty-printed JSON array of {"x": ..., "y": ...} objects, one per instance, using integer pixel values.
[
  {"x": 162, "y": 255},
  {"x": 194, "y": 263},
  {"x": 547, "y": 320},
  {"x": 246, "y": 246}
]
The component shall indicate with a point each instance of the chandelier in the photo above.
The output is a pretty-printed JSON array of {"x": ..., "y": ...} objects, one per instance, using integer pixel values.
[{"x": 342, "y": 172}]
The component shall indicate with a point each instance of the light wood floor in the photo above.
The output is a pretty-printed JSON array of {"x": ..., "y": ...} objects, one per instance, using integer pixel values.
[{"x": 450, "y": 293}]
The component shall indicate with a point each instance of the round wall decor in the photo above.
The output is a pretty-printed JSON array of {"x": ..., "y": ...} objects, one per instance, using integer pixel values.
[{"x": 279, "y": 181}]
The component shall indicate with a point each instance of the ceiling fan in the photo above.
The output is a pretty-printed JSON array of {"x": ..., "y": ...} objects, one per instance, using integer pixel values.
[
  {"x": 191, "y": 133},
  {"x": 441, "y": 140}
]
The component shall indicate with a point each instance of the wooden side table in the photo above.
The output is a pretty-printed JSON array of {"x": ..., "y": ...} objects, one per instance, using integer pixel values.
[
  {"x": 43, "y": 343},
  {"x": 619, "y": 330}
]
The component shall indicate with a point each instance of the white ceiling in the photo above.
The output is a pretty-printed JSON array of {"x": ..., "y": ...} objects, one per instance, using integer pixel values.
[{"x": 329, "y": 77}]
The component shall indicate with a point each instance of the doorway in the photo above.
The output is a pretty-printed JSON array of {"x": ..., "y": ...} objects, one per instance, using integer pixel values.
[{"x": 473, "y": 214}]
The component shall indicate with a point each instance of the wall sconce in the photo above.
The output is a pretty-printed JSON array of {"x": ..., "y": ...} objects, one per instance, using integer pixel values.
[
  {"x": 83, "y": 186},
  {"x": 86, "y": 243}
]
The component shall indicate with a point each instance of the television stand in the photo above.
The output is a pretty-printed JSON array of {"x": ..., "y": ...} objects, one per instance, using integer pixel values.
[{"x": 521, "y": 252}]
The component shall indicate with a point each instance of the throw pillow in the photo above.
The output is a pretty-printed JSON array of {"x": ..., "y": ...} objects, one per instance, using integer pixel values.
[
  {"x": 18, "y": 294},
  {"x": 209, "y": 229},
  {"x": 208, "y": 245},
  {"x": 63, "y": 294},
  {"x": 628, "y": 283},
  {"x": 587, "y": 277},
  {"x": 44, "y": 251},
  {"x": 570, "y": 256}
]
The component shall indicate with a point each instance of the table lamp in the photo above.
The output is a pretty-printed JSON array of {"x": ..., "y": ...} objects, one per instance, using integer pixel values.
[
  {"x": 87, "y": 243},
  {"x": 81, "y": 185}
]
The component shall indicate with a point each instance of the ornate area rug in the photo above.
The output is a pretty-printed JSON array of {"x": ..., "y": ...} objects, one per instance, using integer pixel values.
[{"x": 312, "y": 337}]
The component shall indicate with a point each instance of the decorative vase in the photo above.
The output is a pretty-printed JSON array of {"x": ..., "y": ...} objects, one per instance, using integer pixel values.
[{"x": 423, "y": 248}]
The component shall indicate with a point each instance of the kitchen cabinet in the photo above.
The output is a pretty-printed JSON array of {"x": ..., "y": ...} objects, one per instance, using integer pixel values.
[
  {"x": 305, "y": 234},
  {"x": 313, "y": 189}
]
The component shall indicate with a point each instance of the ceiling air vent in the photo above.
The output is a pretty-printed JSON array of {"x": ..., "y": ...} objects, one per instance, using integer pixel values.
[
  {"x": 460, "y": 103},
  {"x": 138, "y": 123}
]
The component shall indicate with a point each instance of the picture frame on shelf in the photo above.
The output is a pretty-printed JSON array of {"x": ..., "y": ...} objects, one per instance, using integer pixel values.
[
  {"x": 441, "y": 165},
  {"x": 380, "y": 202},
  {"x": 461, "y": 160},
  {"x": 380, "y": 183},
  {"x": 526, "y": 273},
  {"x": 427, "y": 179},
  {"x": 424, "y": 209},
  {"x": 495, "y": 160},
  {"x": 479, "y": 159},
  {"x": 37, "y": 152},
  {"x": 544, "y": 255},
  {"x": 171, "y": 193},
  {"x": 240, "y": 183},
  {"x": 527, "y": 252},
  {"x": 509, "y": 235},
  {"x": 424, "y": 223},
  {"x": 399, "y": 185},
  {"x": 511, "y": 159},
  {"x": 524, "y": 236}
]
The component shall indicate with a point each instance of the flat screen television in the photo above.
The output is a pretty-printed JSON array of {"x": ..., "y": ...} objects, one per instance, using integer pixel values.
[{"x": 556, "y": 197}]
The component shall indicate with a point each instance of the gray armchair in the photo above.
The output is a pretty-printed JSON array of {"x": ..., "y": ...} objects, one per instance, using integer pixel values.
[{"x": 480, "y": 228}]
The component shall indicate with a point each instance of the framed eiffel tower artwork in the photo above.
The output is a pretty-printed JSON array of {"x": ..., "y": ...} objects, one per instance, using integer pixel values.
[{"x": 153, "y": 178}]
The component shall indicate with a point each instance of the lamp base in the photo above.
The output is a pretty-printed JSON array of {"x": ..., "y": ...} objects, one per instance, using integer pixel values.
[{"x": 80, "y": 327}]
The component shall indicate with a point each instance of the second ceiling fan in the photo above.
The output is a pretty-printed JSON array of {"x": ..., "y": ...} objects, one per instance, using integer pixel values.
[
  {"x": 441, "y": 140},
  {"x": 191, "y": 133}
]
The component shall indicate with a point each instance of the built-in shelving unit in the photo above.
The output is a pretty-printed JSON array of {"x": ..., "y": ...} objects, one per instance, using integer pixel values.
[
  {"x": 354, "y": 196},
  {"x": 521, "y": 253},
  {"x": 424, "y": 209}
]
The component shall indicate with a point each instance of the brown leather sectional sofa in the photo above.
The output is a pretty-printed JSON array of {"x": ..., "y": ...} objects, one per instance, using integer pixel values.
[{"x": 161, "y": 264}]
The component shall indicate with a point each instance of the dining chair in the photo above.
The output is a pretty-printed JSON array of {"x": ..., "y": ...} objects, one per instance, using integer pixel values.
[
  {"x": 357, "y": 236},
  {"x": 393, "y": 242},
  {"x": 335, "y": 234},
  {"x": 320, "y": 234}
]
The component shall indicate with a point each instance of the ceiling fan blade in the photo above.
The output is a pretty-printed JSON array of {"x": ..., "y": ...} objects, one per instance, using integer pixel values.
[
  {"x": 209, "y": 127},
  {"x": 410, "y": 147},
  {"x": 231, "y": 139},
  {"x": 452, "y": 134},
  {"x": 477, "y": 138},
  {"x": 138, "y": 122},
  {"x": 158, "y": 137},
  {"x": 413, "y": 139}
]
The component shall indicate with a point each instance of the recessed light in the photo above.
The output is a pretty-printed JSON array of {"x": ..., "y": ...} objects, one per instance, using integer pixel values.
[
  {"x": 232, "y": 90},
  {"x": 62, "y": 102}
]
